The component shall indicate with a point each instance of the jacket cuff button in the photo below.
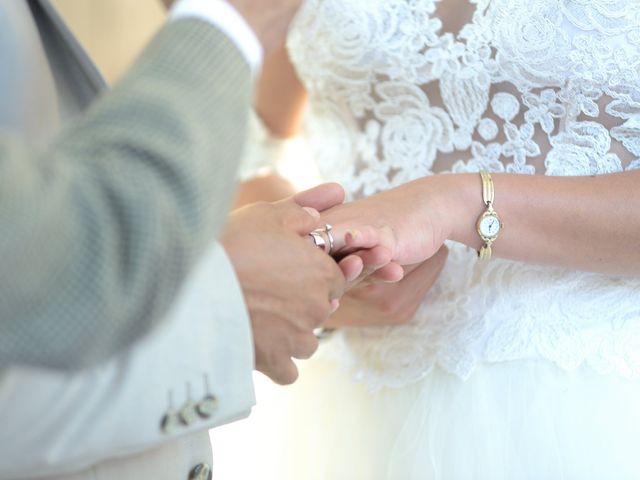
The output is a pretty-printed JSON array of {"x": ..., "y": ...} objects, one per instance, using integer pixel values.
[
  {"x": 201, "y": 471},
  {"x": 207, "y": 406}
]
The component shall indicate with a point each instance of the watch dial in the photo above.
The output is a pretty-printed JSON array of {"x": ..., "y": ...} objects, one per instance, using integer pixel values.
[{"x": 490, "y": 226}]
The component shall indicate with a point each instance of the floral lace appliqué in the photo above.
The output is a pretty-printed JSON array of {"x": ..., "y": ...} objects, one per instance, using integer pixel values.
[{"x": 526, "y": 86}]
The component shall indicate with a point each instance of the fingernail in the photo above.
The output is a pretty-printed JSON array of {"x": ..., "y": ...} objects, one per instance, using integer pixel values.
[
  {"x": 312, "y": 211},
  {"x": 351, "y": 235},
  {"x": 335, "y": 305}
]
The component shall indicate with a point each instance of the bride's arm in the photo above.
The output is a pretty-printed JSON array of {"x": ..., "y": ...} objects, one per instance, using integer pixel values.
[
  {"x": 280, "y": 103},
  {"x": 585, "y": 223},
  {"x": 281, "y": 97}
]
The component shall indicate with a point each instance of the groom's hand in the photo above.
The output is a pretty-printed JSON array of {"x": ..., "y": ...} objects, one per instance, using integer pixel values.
[
  {"x": 288, "y": 284},
  {"x": 363, "y": 253}
]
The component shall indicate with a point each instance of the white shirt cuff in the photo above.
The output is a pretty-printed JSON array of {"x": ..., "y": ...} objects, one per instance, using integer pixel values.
[{"x": 223, "y": 16}]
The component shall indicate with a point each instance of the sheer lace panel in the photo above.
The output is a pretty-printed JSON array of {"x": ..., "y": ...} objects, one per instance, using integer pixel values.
[
  {"x": 515, "y": 88},
  {"x": 400, "y": 89}
]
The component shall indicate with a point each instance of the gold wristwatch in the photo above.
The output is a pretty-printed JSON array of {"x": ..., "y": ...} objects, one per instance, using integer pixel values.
[{"x": 489, "y": 224}]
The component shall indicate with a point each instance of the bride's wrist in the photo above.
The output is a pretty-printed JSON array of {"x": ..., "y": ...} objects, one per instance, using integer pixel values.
[{"x": 456, "y": 203}]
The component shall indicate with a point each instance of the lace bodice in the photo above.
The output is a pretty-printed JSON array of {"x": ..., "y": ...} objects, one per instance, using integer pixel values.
[{"x": 400, "y": 89}]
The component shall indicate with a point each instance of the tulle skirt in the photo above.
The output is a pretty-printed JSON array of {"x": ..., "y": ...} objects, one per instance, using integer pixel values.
[{"x": 510, "y": 420}]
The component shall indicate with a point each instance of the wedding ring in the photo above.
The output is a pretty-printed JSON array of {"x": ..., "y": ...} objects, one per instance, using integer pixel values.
[
  {"x": 327, "y": 230},
  {"x": 323, "y": 239},
  {"x": 318, "y": 240}
]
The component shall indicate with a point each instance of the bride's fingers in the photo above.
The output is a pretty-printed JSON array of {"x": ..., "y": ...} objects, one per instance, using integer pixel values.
[
  {"x": 351, "y": 267},
  {"x": 349, "y": 239},
  {"x": 372, "y": 260},
  {"x": 391, "y": 273}
]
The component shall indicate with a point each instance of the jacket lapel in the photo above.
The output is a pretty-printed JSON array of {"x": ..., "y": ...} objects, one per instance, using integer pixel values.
[
  {"x": 29, "y": 106},
  {"x": 78, "y": 81}
]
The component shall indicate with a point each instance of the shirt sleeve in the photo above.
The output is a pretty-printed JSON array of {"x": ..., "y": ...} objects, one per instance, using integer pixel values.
[{"x": 223, "y": 16}]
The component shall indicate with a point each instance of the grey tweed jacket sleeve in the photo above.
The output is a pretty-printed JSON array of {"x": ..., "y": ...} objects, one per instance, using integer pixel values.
[{"x": 98, "y": 231}]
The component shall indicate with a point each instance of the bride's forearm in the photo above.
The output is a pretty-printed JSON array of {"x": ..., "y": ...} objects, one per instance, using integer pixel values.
[
  {"x": 586, "y": 223},
  {"x": 280, "y": 104},
  {"x": 281, "y": 98}
]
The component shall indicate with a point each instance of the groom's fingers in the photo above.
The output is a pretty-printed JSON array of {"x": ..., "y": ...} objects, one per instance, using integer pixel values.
[
  {"x": 300, "y": 220},
  {"x": 322, "y": 197},
  {"x": 305, "y": 346},
  {"x": 286, "y": 373},
  {"x": 279, "y": 365}
]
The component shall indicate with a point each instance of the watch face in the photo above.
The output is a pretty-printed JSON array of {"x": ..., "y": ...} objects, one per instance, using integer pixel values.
[{"x": 489, "y": 226}]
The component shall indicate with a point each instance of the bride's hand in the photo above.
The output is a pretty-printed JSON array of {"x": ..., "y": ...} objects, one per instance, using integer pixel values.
[
  {"x": 362, "y": 252},
  {"x": 380, "y": 304},
  {"x": 404, "y": 220}
]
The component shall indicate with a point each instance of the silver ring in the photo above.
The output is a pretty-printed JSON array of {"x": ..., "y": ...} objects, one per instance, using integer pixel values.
[
  {"x": 327, "y": 230},
  {"x": 323, "y": 239},
  {"x": 318, "y": 239}
]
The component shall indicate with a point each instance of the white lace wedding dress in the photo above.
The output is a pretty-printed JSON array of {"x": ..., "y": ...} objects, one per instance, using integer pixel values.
[{"x": 509, "y": 370}]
